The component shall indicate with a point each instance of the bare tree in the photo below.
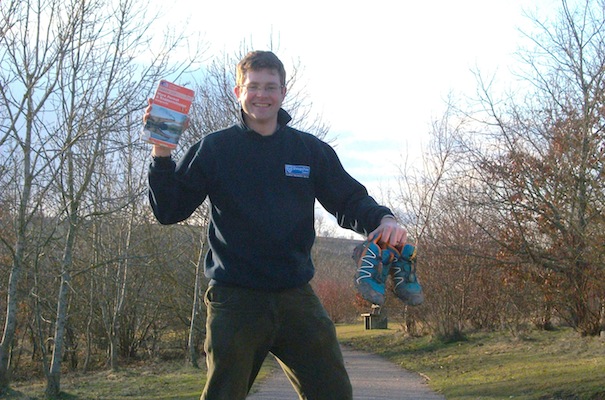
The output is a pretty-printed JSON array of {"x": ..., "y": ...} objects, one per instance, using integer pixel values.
[
  {"x": 424, "y": 203},
  {"x": 70, "y": 79},
  {"x": 100, "y": 88},
  {"x": 540, "y": 161},
  {"x": 30, "y": 56}
]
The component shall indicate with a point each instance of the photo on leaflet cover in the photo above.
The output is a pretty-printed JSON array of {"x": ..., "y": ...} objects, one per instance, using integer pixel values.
[{"x": 164, "y": 124}]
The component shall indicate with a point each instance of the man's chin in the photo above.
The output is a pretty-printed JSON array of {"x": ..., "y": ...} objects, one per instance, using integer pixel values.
[{"x": 264, "y": 116}]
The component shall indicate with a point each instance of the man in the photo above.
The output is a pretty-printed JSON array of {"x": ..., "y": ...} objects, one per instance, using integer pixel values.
[{"x": 262, "y": 178}]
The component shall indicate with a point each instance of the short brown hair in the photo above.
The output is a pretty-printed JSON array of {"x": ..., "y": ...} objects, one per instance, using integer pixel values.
[{"x": 257, "y": 60}]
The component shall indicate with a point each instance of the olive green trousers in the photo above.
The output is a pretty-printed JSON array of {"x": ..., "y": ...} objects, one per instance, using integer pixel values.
[{"x": 243, "y": 326}]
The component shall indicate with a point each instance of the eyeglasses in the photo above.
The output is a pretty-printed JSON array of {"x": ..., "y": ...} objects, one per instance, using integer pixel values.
[{"x": 269, "y": 89}]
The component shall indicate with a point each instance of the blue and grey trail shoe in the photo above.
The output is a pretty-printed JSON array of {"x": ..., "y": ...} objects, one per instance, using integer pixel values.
[
  {"x": 403, "y": 269},
  {"x": 372, "y": 270}
]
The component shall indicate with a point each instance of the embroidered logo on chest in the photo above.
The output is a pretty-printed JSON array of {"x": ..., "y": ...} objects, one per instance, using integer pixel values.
[{"x": 298, "y": 171}]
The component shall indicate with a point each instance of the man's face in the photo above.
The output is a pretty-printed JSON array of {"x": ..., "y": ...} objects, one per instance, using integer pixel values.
[{"x": 261, "y": 95}]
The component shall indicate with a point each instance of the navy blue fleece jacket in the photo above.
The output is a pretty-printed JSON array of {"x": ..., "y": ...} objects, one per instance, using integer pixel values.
[{"x": 262, "y": 191}]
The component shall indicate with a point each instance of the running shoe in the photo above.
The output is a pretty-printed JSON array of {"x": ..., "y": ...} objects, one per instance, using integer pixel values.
[
  {"x": 403, "y": 269},
  {"x": 372, "y": 270}
]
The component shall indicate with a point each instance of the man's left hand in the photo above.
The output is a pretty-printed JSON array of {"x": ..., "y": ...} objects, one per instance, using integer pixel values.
[{"x": 390, "y": 232}]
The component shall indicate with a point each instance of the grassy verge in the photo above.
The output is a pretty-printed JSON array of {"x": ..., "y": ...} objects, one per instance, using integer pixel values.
[
  {"x": 540, "y": 365},
  {"x": 166, "y": 381}
]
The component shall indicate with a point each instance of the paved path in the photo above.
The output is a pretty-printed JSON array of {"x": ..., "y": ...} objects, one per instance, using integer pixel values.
[{"x": 373, "y": 378}]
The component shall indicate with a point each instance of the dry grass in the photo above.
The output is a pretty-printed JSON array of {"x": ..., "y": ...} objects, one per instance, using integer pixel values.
[{"x": 169, "y": 380}]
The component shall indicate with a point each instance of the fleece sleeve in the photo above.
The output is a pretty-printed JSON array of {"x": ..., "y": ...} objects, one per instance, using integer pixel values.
[
  {"x": 344, "y": 197},
  {"x": 175, "y": 191}
]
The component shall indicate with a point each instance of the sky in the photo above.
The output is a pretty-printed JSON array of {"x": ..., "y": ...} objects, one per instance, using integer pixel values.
[{"x": 378, "y": 72}]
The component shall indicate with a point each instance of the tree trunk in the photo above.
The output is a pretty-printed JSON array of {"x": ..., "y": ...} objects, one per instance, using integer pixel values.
[
  {"x": 195, "y": 313},
  {"x": 53, "y": 381},
  {"x": 10, "y": 324},
  {"x": 89, "y": 322},
  {"x": 121, "y": 295},
  {"x": 602, "y": 318},
  {"x": 38, "y": 322},
  {"x": 9, "y": 330}
]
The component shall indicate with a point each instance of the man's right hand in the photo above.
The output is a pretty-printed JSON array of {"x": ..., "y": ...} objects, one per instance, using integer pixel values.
[{"x": 160, "y": 151}]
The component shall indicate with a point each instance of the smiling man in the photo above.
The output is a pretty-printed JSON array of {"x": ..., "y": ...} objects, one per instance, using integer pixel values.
[
  {"x": 262, "y": 178},
  {"x": 261, "y": 94}
]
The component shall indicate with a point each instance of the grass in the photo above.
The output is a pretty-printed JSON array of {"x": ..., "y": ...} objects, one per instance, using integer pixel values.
[
  {"x": 541, "y": 365},
  {"x": 538, "y": 366},
  {"x": 169, "y": 380}
]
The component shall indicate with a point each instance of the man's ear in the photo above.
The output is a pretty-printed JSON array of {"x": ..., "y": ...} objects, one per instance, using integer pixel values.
[{"x": 237, "y": 90}]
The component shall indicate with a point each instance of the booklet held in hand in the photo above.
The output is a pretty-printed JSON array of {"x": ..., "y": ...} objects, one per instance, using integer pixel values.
[{"x": 168, "y": 114}]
